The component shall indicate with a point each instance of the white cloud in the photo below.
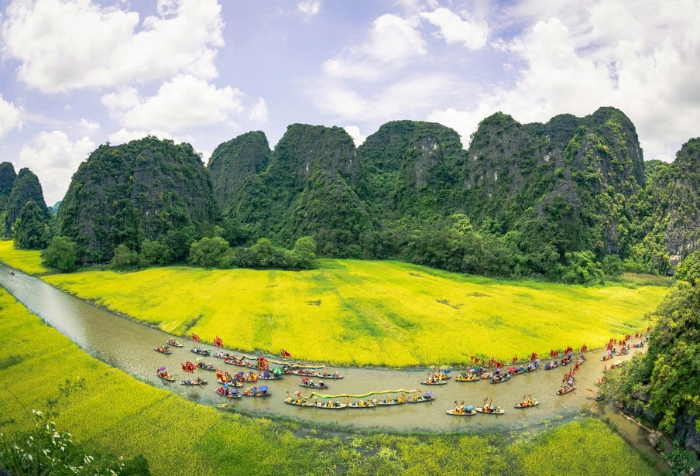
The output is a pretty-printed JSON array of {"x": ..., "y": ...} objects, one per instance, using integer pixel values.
[
  {"x": 182, "y": 102},
  {"x": 65, "y": 45},
  {"x": 258, "y": 112},
  {"x": 641, "y": 57},
  {"x": 123, "y": 136},
  {"x": 406, "y": 99},
  {"x": 54, "y": 158},
  {"x": 392, "y": 44},
  {"x": 309, "y": 7},
  {"x": 471, "y": 34},
  {"x": 10, "y": 117},
  {"x": 357, "y": 137},
  {"x": 88, "y": 126}
]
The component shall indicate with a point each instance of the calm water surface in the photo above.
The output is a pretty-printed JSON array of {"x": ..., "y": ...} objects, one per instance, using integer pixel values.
[{"x": 129, "y": 345}]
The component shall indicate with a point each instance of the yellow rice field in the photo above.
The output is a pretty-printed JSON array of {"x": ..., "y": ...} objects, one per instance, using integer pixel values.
[
  {"x": 369, "y": 312},
  {"x": 29, "y": 261},
  {"x": 128, "y": 417}
]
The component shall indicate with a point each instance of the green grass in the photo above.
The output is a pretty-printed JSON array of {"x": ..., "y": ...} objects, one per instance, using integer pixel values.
[
  {"x": 370, "y": 312},
  {"x": 127, "y": 417},
  {"x": 29, "y": 261}
]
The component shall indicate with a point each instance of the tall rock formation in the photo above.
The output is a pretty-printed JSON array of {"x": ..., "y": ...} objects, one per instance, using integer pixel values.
[
  {"x": 235, "y": 161},
  {"x": 134, "y": 191},
  {"x": 7, "y": 180},
  {"x": 26, "y": 187},
  {"x": 668, "y": 210},
  {"x": 310, "y": 187},
  {"x": 566, "y": 182},
  {"x": 412, "y": 168}
]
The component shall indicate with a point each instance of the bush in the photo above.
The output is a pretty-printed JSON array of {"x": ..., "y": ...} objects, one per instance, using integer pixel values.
[
  {"x": 124, "y": 257},
  {"x": 208, "y": 252},
  {"x": 304, "y": 253},
  {"x": 154, "y": 252},
  {"x": 62, "y": 254},
  {"x": 689, "y": 269},
  {"x": 612, "y": 265},
  {"x": 582, "y": 268}
]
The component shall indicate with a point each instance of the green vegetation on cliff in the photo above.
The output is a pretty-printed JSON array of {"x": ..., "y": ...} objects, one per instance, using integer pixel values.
[{"x": 146, "y": 189}]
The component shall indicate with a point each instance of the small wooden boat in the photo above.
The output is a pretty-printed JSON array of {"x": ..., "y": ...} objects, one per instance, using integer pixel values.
[
  {"x": 363, "y": 404},
  {"x": 204, "y": 366},
  {"x": 163, "y": 350},
  {"x": 500, "y": 378},
  {"x": 331, "y": 405},
  {"x": 193, "y": 383},
  {"x": 299, "y": 402},
  {"x": 433, "y": 382},
  {"x": 390, "y": 402},
  {"x": 420, "y": 399},
  {"x": 230, "y": 383},
  {"x": 527, "y": 404},
  {"x": 228, "y": 392},
  {"x": 241, "y": 363},
  {"x": 551, "y": 366},
  {"x": 319, "y": 385},
  {"x": 310, "y": 373},
  {"x": 490, "y": 410},
  {"x": 199, "y": 351},
  {"x": 174, "y": 343},
  {"x": 256, "y": 392},
  {"x": 265, "y": 375},
  {"x": 165, "y": 376},
  {"x": 466, "y": 378},
  {"x": 460, "y": 412},
  {"x": 566, "y": 389}
]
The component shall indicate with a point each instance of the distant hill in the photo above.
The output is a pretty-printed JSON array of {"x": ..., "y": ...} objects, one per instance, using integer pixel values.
[{"x": 25, "y": 188}]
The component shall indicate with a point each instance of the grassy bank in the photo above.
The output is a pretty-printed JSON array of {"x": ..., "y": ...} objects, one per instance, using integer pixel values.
[
  {"x": 29, "y": 261},
  {"x": 128, "y": 417},
  {"x": 369, "y": 312}
]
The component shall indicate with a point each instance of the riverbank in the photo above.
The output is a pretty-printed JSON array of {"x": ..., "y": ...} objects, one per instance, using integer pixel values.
[{"x": 121, "y": 414}]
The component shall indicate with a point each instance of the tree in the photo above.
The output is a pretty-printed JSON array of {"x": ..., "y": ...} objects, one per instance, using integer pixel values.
[
  {"x": 612, "y": 265},
  {"x": 61, "y": 254},
  {"x": 30, "y": 227},
  {"x": 208, "y": 252},
  {"x": 305, "y": 252},
  {"x": 154, "y": 252},
  {"x": 582, "y": 268},
  {"x": 689, "y": 269},
  {"x": 124, "y": 257}
]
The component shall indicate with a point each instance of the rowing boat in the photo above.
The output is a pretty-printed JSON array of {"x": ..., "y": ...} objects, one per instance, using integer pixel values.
[
  {"x": 454, "y": 412},
  {"x": 163, "y": 350},
  {"x": 193, "y": 383},
  {"x": 467, "y": 378},
  {"x": 420, "y": 399},
  {"x": 319, "y": 385},
  {"x": 433, "y": 382},
  {"x": 228, "y": 393},
  {"x": 309, "y": 373},
  {"x": 500, "y": 378},
  {"x": 565, "y": 390},
  {"x": 298, "y": 402},
  {"x": 490, "y": 411},
  {"x": 363, "y": 404},
  {"x": 173, "y": 342},
  {"x": 165, "y": 376},
  {"x": 527, "y": 404},
  {"x": 199, "y": 351}
]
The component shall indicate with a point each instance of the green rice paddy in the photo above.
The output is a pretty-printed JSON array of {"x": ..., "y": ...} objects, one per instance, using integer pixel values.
[{"x": 128, "y": 417}]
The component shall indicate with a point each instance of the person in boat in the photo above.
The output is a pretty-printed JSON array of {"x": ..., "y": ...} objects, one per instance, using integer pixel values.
[
  {"x": 311, "y": 383},
  {"x": 337, "y": 375},
  {"x": 12, "y": 272},
  {"x": 320, "y": 384}
]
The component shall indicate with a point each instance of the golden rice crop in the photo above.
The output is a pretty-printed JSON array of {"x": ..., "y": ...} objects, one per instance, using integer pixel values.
[
  {"x": 370, "y": 312},
  {"x": 29, "y": 261},
  {"x": 128, "y": 417}
]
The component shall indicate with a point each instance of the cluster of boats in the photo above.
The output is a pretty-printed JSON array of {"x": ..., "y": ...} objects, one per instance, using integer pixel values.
[
  {"x": 489, "y": 408},
  {"x": 335, "y": 402}
]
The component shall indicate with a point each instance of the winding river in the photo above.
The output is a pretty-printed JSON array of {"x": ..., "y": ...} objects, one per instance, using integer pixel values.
[{"x": 128, "y": 345}]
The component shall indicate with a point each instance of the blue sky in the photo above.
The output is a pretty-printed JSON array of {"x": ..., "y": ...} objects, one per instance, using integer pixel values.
[{"x": 78, "y": 73}]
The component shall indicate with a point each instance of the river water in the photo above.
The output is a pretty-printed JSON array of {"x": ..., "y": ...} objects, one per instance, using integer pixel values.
[{"x": 128, "y": 345}]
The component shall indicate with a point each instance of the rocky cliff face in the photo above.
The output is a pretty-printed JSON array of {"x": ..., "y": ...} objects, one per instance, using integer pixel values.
[
  {"x": 572, "y": 174},
  {"x": 134, "y": 191},
  {"x": 412, "y": 168},
  {"x": 25, "y": 187},
  {"x": 7, "y": 180},
  {"x": 309, "y": 187},
  {"x": 235, "y": 161},
  {"x": 671, "y": 202}
]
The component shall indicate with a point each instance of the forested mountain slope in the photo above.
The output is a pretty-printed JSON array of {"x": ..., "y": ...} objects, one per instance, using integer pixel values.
[{"x": 141, "y": 190}]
